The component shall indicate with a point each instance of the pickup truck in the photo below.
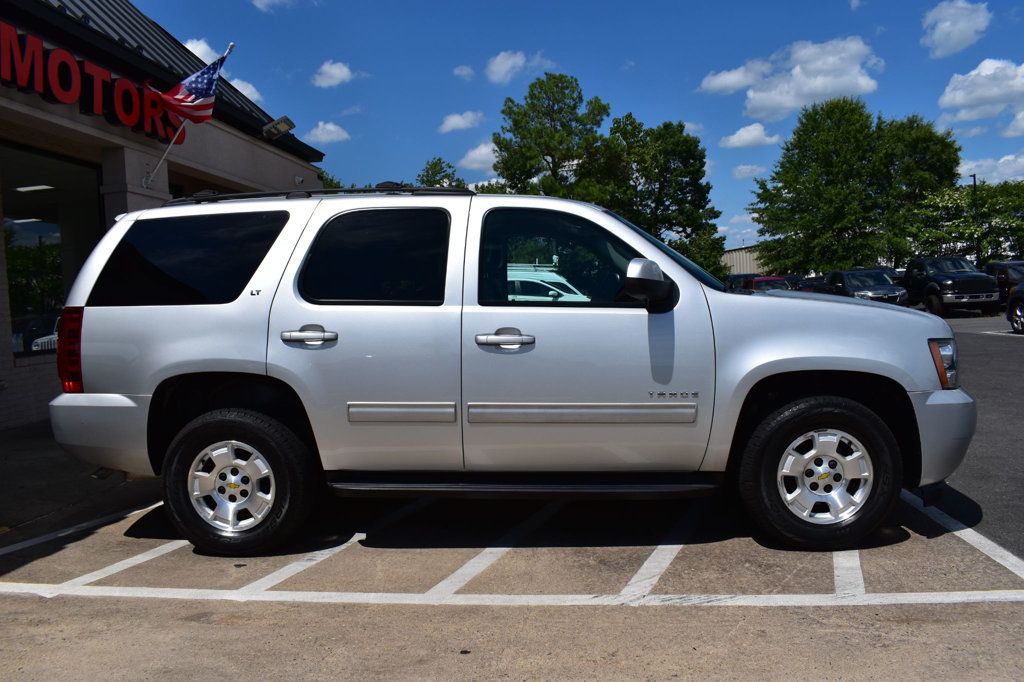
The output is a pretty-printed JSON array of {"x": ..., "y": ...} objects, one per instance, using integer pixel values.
[
  {"x": 254, "y": 351},
  {"x": 945, "y": 282}
]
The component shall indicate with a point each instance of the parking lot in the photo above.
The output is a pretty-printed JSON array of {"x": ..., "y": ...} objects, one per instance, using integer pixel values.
[{"x": 436, "y": 588}]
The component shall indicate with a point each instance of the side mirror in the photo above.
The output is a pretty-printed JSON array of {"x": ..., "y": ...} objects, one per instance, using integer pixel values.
[
  {"x": 555, "y": 295},
  {"x": 1001, "y": 277},
  {"x": 645, "y": 282}
]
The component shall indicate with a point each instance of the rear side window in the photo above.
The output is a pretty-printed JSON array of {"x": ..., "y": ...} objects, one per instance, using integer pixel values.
[
  {"x": 382, "y": 257},
  {"x": 187, "y": 260}
]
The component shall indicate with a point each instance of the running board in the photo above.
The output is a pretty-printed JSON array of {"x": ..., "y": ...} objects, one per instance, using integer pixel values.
[{"x": 431, "y": 484}]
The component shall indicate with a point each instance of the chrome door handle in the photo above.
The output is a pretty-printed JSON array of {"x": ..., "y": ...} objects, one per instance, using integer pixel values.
[
  {"x": 312, "y": 334},
  {"x": 506, "y": 336}
]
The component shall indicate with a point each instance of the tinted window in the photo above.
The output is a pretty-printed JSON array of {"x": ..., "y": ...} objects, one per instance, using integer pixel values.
[
  {"x": 188, "y": 260},
  {"x": 388, "y": 256},
  {"x": 589, "y": 259}
]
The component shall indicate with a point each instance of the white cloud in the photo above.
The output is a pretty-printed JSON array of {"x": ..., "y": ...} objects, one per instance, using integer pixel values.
[
  {"x": 984, "y": 92},
  {"x": 627, "y": 65},
  {"x": 800, "y": 74},
  {"x": 1009, "y": 167},
  {"x": 742, "y": 219},
  {"x": 747, "y": 170},
  {"x": 855, "y": 4},
  {"x": 728, "y": 82},
  {"x": 268, "y": 5},
  {"x": 326, "y": 132},
  {"x": 503, "y": 67},
  {"x": 1016, "y": 127},
  {"x": 352, "y": 110},
  {"x": 464, "y": 71},
  {"x": 463, "y": 121},
  {"x": 753, "y": 135},
  {"x": 693, "y": 126},
  {"x": 972, "y": 132},
  {"x": 332, "y": 73},
  {"x": 480, "y": 157},
  {"x": 954, "y": 25},
  {"x": 202, "y": 49},
  {"x": 538, "y": 62},
  {"x": 247, "y": 89}
]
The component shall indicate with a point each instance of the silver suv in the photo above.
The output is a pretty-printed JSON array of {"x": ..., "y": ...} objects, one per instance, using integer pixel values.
[{"x": 256, "y": 350}]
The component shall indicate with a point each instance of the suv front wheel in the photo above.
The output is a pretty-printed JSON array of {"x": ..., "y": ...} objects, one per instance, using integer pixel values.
[
  {"x": 238, "y": 482},
  {"x": 820, "y": 473}
]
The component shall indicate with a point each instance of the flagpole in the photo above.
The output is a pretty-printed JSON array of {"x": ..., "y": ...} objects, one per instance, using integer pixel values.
[{"x": 148, "y": 177}]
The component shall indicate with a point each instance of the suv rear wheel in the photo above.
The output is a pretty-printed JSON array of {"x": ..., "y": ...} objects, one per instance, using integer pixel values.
[
  {"x": 933, "y": 304},
  {"x": 1016, "y": 316},
  {"x": 238, "y": 482},
  {"x": 820, "y": 473}
]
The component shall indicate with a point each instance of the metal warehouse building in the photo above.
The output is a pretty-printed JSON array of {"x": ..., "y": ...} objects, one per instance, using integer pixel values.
[{"x": 80, "y": 131}]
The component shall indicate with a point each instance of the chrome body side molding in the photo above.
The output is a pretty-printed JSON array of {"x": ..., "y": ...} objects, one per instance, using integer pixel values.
[
  {"x": 401, "y": 412},
  {"x": 581, "y": 413}
]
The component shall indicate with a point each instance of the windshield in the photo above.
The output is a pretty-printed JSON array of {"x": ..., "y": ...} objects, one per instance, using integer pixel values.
[
  {"x": 702, "y": 275},
  {"x": 868, "y": 278},
  {"x": 950, "y": 265},
  {"x": 1015, "y": 272},
  {"x": 768, "y": 284}
]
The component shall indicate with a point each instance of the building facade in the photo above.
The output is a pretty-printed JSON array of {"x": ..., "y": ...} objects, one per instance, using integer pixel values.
[
  {"x": 741, "y": 260},
  {"x": 81, "y": 132}
]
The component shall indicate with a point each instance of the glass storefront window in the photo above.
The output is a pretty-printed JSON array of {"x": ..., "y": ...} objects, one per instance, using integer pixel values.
[{"x": 51, "y": 214}]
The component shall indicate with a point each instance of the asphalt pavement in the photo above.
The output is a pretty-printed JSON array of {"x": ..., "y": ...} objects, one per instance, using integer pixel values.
[{"x": 985, "y": 492}]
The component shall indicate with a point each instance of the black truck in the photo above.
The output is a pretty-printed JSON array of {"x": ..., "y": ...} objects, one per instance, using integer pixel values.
[{"x": 946, "y": 282}]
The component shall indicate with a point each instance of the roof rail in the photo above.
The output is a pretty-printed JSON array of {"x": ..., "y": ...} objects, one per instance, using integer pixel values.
[{"x": 209, "y": 196}]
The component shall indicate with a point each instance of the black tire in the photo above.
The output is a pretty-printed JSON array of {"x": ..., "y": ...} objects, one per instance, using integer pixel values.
[
  {"x": 1015, "y": 316},
  {"x": 297, "y": 480},
  {"x": 759, "y": 488},
  {"x": 933, "y": 304}
]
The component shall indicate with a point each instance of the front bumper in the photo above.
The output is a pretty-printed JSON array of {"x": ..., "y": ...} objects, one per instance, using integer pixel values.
[
  {"x": 945, "y": 421},
  {"x": 105, "y": 429},
  {"x": 960, "y": 299}
]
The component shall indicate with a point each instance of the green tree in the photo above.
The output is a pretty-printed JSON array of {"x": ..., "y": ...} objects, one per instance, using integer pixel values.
[
  {"x": 328, "y": 180},
  {"x": 655, "y": 178},
  {"x": 818, "y": 210},
  {"x": 547, "y": 135},
  {"x": 987, "y": 222},
  {"x": 439, "y": 173},
  {"x": 846, "y": 190},
  {"x": 913, "y": 160}
]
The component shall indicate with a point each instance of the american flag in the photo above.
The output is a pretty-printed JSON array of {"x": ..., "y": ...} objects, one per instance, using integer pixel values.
[{"x": 193, "y": 97}]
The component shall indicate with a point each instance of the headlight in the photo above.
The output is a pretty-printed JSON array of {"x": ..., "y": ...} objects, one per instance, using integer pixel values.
[
  {"x": 862, "y": 294},
  {"x": 945, "y": 355},
  {"x": 947, "y": 283}
]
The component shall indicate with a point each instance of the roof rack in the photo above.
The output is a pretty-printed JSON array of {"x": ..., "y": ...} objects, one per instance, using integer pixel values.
[{"x": 210, "y": 196}]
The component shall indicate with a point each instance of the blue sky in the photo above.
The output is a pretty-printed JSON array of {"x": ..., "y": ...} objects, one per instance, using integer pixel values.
[{"x": 376, "y": 85}]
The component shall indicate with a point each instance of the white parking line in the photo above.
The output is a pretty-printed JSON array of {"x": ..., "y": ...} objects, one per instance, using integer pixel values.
[
  {"x": 648, "y": 575},
  {"x": 478, "y": 564},
  {"x": 428, "y": 599},
  {"x": 849, "y": 579},
  {"x": 313, "y": 558},
  {"x": 972, "y": 537},
  {"x": 126, "y": 564},
  {"x": 77, "y": 528}
]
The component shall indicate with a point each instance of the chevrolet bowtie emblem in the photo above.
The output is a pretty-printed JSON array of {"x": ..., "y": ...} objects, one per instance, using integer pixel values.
[
  {"x": 822, "y": 477},
  {"x": 235, "y": 485}
]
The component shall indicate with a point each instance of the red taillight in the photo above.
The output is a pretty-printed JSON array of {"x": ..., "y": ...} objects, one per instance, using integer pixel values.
[{"x": 69, "y": 349}]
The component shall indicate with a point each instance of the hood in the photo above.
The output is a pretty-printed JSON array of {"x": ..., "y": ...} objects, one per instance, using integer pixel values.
[
  {"x": 848, "y": 300},
  {"x": 882, "y": 289},
  {"x": 956, "y": 276}
]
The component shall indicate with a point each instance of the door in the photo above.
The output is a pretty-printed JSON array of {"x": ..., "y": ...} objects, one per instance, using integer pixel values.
[
  {"x": 581, "y": 381},
  {"x": 365, "y": 326}
]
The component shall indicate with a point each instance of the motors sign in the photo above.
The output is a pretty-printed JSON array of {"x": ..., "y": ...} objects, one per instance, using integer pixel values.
[{"x": 60, "y": 77}]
